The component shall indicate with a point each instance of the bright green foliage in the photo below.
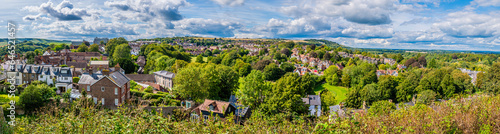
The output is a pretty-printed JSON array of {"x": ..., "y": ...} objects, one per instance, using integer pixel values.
[
  {"x": 127, "y": 64},
  {"x": 354, "y": 98},
  {"x": 383, "y": 107},
  {"x": 371, "y": 93},
  {"x": 447, "y": 86},
  {"x": 149, "y": 89},
  {"x": 406, "y": 89},
  {"x": 121, "y": 52},
  {"x": 76, "y": 79},
  {"x": 82, "y": 48},
  {"x": 242, "y": 68},
  {"x": 387, "y": 87},
  {"x": 287, "y": 93},
  {"x": 346, "y": 80},
  {"x": 287, "y": 67},
  {"x": 332, "y": 75},
  {"x": 492, "y": 79},
  {"x": 328, "y": 98},
  {"x": 189, "y": 84},
  {"x": 199, "y": 59},
  {"x": 112, "y": 43},
  {"x": 252, "y": 89}
]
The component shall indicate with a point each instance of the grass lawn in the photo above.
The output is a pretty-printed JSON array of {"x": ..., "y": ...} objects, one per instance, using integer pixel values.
[
  {"x": 340, "y": 92},
  {"x": 193, "y": 59}
]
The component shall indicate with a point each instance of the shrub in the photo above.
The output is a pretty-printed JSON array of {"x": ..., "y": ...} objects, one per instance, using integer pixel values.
[
  {"x": 426, "y": 97},
  {"x": 76, "y": 79},
  {"x": 149, "y": 89},
  {"x": 153, "y": 96},
  {"x": 137, "y": 93},
  {"x": 383, "y": 107}
]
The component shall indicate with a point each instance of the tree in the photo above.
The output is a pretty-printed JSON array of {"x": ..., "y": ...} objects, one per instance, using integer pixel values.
[
  {"x": 354, "y": 98},
  {"x": 382, "y": 67},
  {"x": 199, "y": 59},
  {"x": 272, "y": 72},
  {"x": 432, "y": 63},
  {"x": 121, "y": 51},
  {"x": 287, "y": 93},
  {"x": 406, "y": 89},
  {"x": 94, "y": 48},
  {"x": 286, "y": 52},
  {"x": 287, "y": 67},
  {"x": 387, "y": 87},
  {"x": 313, "y": 54},
  {"x": 492, "y": 79},
  {"x": 327, "y": 56},
  {"x": 179, "y": 64},
  {"x": 332, "y": 75},
  {"x": 447, "y": 86},
  {"x": 112, "y": 43},
  {"x": 127, "y": 64},
  {"x": 252, "y": 89},
  {"x": 426, "y": 97},
  {"x": 229, "y": 58},
  {"x": 480, "y": 80},
  {"x": 35, "y": 96},
  {"x": 242, "y": 68},
  {"x": 207, "y": 53},
  {"x": 346, "y": 80},
  {"x": 189, "y": 84},
  {"x": 422, "y": 61},
  {"x": 261, "y": 64},
  {"x": 410, "y": 62},
  {"x": 383, "y": 107},
  {"x": 371, "y": 93},
  {"x": 220, "y": 81},
  {"x": 82, "y": 48},
  {"x": 327, "y": 99}
]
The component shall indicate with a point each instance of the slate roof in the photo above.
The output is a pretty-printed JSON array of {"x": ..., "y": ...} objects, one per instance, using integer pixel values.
[
  {"x": 240, "y": 109},
  {"x": 165, "y": 74},
  {"x": 89, "y": 79},
  {"x": 65, "y": 72},
  {"x": 119, "y": 78},
  {"x": 312, "y": 100},
  {"x": 141, "y": 77},
  {"x": 77, "y": 64}
]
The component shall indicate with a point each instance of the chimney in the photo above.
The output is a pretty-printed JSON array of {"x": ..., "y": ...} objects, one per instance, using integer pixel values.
[
  {"x": 105, "y": 72},
  {"x": 90, "y": 71},
  {"x": 117, "y": 67}
]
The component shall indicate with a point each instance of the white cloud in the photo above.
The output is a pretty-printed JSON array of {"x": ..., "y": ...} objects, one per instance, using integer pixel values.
[
  {"x": 469, "y": 24},
  {"x": 64, "y": 11},
  {"x": 486, "y": 3},
  {"x": 146, "y": 10},
  {"x": 199, "y": 26},
  {"x": 230, "y": 2}
]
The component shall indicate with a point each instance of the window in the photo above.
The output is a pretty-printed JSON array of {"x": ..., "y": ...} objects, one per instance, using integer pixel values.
[
  {"x": 211, "y": 107},
  {"x": 102, "y": 101},
  {"x": 102, "y": 89},
  {"x": 116, "y": 91},
  {"x": 95, "y": 100},
  {"x": 205, "y": 117},
  {"x": 88, "y": 88},
  {"x": 116, "y": 102},
  {"x": 188, "y": 104}
]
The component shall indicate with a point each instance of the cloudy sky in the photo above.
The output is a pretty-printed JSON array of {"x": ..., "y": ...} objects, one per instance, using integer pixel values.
[{"x": 395, "y": 24}]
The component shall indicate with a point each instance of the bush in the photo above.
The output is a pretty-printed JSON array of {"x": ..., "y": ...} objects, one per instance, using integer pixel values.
[
  {"x": 76, "y": 79},
  {"x": 426, "y": 97},
  {"x": 153, "y": 96},
  {"x": 383, "y": 107},
  {"x": 149, "y": 89},
  {"x": 137, "y": 93}
]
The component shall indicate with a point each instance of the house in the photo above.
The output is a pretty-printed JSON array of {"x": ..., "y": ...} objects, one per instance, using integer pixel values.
[
  {"x": 220, "y": 109},
  {"x": 15, "y": 71},
  {"x": 314, "y": 102},
  {"x": 242, "y": 112},
  {"x": 165, "y": 79},
  {"x": 48, "y": 75},
  {"x": 111, "y": 89},
  {"x": 64, "y": 78},
  {"x": 387, "y": 72},
  {"x": 302, "y": 70},
  {"x": 401, "y": 67}
]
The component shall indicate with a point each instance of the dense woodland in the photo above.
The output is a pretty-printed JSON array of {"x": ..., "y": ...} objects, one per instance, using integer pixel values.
[{"x": 267, "y": 84}]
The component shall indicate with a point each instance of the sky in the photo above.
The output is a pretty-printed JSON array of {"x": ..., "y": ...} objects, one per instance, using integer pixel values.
[{"x": 393, "y": 24}]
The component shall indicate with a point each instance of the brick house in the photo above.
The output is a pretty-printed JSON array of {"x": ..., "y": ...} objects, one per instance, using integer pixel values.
[{"x": 109, "y": 89}]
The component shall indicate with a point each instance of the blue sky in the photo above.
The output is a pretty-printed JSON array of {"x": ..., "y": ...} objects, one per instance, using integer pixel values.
[{"x": 395, "y": 24}]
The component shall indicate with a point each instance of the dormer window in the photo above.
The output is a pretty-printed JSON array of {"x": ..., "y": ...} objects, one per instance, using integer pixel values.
[{"x": 211, "y": 107}]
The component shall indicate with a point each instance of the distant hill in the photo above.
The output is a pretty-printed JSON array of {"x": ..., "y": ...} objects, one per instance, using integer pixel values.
[{"x": 3, "y": 41}]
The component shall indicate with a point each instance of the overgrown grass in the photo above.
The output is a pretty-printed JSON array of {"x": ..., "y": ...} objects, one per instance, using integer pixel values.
[
  {"x": 340, "y": 92},
  {"x": 477, "y": 115}
]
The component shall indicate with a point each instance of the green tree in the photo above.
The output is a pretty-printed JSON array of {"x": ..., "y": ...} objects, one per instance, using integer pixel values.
[
  {"x": 242, "y": 68},
  {"x": 426, "y": 97},
  {"x": 406, "y": 89},
  {"x": 122, "y": 52},
  {"x": 112, "y": 43},
  {"x": 387, "y": 87},
  {"x": 189, "y": 84},
  {"x": 492, "y": 79},
  {"x": 35, "y": 96},
  {"x": 221, "y": 81},
  {"x": 371, "y": 93},
  {"x": 287, "y": 67},
  {"x": 94, "y": 48},
  {"x": 82, "y": 48},
  {"x": 127, "y": 64},
  {"x": 432, "y": 63},
  {"x": 199, "y": 59},
  {"x": 327, "y": 99},
  {"x": 272, "y": 72},
  {"x": 346, "y": 80},
  {"x": 354, "y": 98},
  {"x": 383, "y": 107},
  {"x": 332, "y": 75},
  {"x": 252, "y": 89},
  {"x": 286, "y": 95}
]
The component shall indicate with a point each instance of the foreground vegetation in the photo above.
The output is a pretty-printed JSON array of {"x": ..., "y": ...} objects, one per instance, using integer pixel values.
[{"x": 479, "y": 114}]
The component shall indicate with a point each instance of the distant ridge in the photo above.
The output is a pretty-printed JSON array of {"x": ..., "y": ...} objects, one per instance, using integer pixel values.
[{"x": 3, "y": 41}]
